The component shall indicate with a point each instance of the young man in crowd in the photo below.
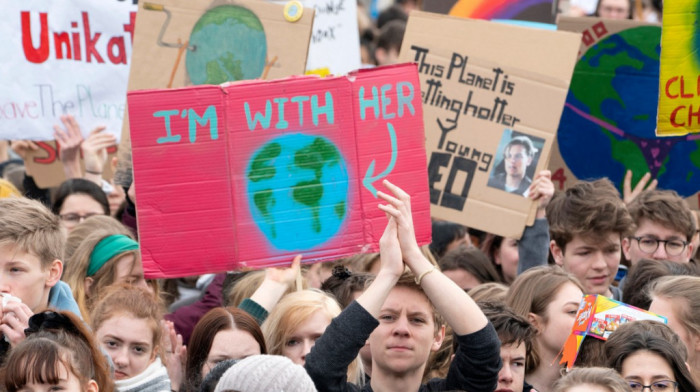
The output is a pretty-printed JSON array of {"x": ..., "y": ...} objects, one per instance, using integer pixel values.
[
  {"x": 518, "y": 352},
  {"x": 31, "y": 249},
  {"x": 587, "y": 224},
  {"x": 664, "y": 228},
  {"x": 397, "y": 313}
]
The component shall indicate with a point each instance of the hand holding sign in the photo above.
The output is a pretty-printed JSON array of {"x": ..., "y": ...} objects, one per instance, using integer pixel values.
[
  {"x": 68, "y": 142},
  {"x": 95, "y": 150},
  {"x": 541, "y": 191}
]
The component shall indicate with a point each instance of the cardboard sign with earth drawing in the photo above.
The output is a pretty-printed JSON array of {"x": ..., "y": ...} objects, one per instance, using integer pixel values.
[
  {"x": 609, "y": 121},
  {"x": 250, "y": 174},
  {"x": 192, "y": 42},
  {"x": 491, "y": 109},
  {"x": 679, "y": 88}
]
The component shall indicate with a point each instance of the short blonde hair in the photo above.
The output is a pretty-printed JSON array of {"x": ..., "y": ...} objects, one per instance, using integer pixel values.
[
  {"x": 29, "y": 226},
  {"x": 291, "y": 312},
  {"x": 602, "y": 377},
  {"x": 77, "y": 266}
]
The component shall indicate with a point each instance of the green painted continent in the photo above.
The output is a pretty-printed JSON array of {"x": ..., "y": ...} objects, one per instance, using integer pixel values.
[
  {"x": 262, "y": 169},
  {"x": 316, "y": 155}
]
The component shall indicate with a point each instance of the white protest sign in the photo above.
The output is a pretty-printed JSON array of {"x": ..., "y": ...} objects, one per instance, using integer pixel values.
[
  {"x": 64, "y": 57},
  {"x": 335, "y": 43}
]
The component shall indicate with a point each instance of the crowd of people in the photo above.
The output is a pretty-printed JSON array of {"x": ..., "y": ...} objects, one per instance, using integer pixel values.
[{"x": 472, "y": 311}]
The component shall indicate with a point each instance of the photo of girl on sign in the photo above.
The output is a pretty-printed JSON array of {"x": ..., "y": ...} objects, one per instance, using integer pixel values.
[{"x": 516, "y": 161}]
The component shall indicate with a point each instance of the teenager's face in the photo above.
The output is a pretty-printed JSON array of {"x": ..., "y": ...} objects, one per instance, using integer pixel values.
[
  {"x": 230, "y": 344},
  {"x": 507, "y": 257},
  {"x": 656, "y": 231},
  {"x": 464, "y": 279},
  {"x": 299, "y": 343},
  {"x": 593, "y": 261},
  {"x": 614, "y": 9},
  {"x": 560, "y": 314},
  {"x": 512, "y": 375},
  {"x": 646, "y": 368},
  {"x": 76, "y": 208},
  {"x": 129, "y": 342},
  {"x": 67, "y": 381},
  {"x": 129, "y": 269},
  {"x": 670, "y": 309},
  {"x": 516, "y": 160},
  {"x": 406, "y": 333},
  {"x": 22, "y": 276}
]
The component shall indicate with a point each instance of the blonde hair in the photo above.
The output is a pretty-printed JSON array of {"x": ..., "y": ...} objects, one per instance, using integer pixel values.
[
  {"x": 491, "y": 291},
  {"x": 29, "y": 226},
  {"x": 602, "y": 377},
  {"x": 292, "y": 311},
  {"x": 8, "y": 190},
  {"x": 246, "y": 287},
  {"x": 76, "y": 269},
  {"x": 85, "y": 228},
  {"x": 124, "y": 299},
  {"x": 687, "y": 289}
]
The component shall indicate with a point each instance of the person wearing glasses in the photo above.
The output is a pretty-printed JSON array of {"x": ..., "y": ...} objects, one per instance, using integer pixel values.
[
  {"x": 650, "y": 357},
  {"x": 78, "y": 199},
  {"x": 517, "y": 157},
  {"x": 665, "y": 226}
]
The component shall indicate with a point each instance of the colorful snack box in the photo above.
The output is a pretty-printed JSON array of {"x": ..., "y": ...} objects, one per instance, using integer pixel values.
[{"x": 600, "y": 316}]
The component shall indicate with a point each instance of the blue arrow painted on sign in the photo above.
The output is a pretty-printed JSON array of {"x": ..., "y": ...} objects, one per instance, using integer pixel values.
[{"x": 369, "y": 179}]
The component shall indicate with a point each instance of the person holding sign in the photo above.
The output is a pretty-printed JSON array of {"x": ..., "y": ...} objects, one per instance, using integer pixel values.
[
  {"x": 517, "y": 157},
  {"x": 398, "y": 313}
]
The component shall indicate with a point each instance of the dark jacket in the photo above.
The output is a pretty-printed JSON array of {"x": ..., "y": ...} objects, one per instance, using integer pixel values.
[{"x": 475, "y": 366}]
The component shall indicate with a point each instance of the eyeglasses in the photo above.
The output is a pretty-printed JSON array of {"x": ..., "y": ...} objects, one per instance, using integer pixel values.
[
  {"x": 649, "y": 245},
  {"x": 74, "y": 219},
  {"x": 658, "y": 386}
]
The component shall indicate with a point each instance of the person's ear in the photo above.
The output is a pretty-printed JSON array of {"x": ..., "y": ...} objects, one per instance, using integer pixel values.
[
  {"x": 497, "y": 255},
  {"x": 380, "y": 55},
  {"x": 92, "y": 386},
  {"x": 88, "y": 285},
  {"x": 55, "y": 271},
  {"x": 439, "y": 338},
  {"x": 626, "y": 246},
  {"x": 689, "y": 250},
  {"x": 557, "y": 253},
  {"x": 535, "y": 321}
]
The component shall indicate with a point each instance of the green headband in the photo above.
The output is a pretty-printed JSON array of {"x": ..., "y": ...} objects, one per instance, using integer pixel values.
[{"x": 107, "y": 248}]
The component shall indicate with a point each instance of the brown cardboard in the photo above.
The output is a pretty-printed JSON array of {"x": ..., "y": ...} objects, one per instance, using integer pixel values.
[
  {"x": 529, "y": 71},
  {"x": 593, "y": 31},
  {"x": 161, "y": 65},
  {"x": 45, "y": 164}
]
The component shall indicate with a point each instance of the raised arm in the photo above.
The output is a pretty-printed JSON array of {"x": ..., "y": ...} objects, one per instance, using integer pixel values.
[
  {"x": 339, "y": 345},
  {"x": 458, "y": 309}
]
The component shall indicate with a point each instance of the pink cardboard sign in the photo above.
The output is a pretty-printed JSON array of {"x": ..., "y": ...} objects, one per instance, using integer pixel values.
[{"x": 249, "y": 174}]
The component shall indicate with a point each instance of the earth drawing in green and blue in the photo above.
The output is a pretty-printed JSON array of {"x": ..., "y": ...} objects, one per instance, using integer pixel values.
[
  {"x": 297, "y": 187},
  {"x": 609, "y": 121},
  {"x": 226, "y": 44}
]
